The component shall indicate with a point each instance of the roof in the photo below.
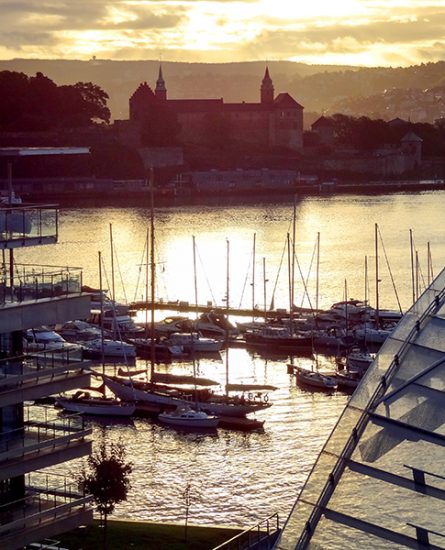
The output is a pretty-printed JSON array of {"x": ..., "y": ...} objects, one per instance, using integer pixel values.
[
  {"x": 34, "y": 151},
  {"x": 284, "y": 100},
  {"x": 379, "y": 480},
  {"x": 411, "y": 136},
  {"x": 143, "y": 91},
  {"x": 195, "y": 105},
  {"x": 322, "y": 122},
  {"x": 397, "y": 122}
]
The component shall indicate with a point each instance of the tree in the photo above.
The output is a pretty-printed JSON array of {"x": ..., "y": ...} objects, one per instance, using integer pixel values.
[{"x": 106, "y": 477}]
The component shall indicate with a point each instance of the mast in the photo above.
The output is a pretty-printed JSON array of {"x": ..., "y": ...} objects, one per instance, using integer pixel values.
[
  {"x": 430, "y": 264},
  {"x": 113, "y": 295},
  {"x": 377, "y": 280},
  {"x": 195, "y": 275},
  {"x": 294, "y": 217},
  {"x": 412, "y": 263},
  {"x": 317, "y": 279},
  {"x": 417, "y": 275},
  {"x": 264, "y": 288},
  {"x": 253, "y": 277},
  {"x": 227, "y": 313},
  {"x": 366, "y": 280},
  {"x": 289, "y": 272},
  {"x": 101, "y": 312},
  {"x": 153, "y": 275}
]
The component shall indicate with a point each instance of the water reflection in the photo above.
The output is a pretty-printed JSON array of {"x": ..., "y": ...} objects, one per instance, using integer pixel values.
[{"x": 240, "y": 478}]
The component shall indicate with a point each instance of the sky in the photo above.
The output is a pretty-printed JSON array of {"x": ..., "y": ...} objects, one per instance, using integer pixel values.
[{"x": 346, "y": 32}]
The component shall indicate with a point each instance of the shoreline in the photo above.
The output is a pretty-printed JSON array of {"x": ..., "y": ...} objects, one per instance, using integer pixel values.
[{"x": 69, "y": 192}]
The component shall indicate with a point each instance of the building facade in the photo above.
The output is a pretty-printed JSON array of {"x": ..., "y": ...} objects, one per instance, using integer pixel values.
[
  {"x": 35, "y": 503},
  {"x": 276, "y": 121}
]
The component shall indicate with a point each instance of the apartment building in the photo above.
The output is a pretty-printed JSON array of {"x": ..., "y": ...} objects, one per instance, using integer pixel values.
[{"x": 35, "y": 503}]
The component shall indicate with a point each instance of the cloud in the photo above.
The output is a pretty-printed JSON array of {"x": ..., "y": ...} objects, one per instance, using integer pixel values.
[{"x": 225, "y": 30}]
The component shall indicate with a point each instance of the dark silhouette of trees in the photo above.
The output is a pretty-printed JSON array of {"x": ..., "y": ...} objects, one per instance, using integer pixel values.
[
  {"x": 37, "y": 103},
  {"x": 106, "y": 478}
]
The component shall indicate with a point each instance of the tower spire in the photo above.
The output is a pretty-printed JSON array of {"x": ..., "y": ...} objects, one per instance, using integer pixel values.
[
  {"x": 267, "y": 89},
  {"x": 161, "y": 90}
]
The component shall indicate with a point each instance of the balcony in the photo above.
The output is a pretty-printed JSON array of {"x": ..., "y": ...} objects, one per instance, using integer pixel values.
[
  {"x": 27, "y": 378},
  {"x": 34, "y": 295},
  {"x": 46, "y": 438},
  {"x": 31, "y": 225},
  {"x": 52, "y": 505}
]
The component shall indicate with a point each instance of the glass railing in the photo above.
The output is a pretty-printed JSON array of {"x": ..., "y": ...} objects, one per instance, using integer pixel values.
[
  {"x": 28, "y": 224},
  {"x": 32, "y": 282},
  {"x": 42, "y": 427},
  {"x": 48, "y": 497},
  {"x": 20, "y": 370}
]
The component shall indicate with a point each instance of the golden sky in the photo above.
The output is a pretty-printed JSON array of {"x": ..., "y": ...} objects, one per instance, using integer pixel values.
[{"x": 352, "y": 32}]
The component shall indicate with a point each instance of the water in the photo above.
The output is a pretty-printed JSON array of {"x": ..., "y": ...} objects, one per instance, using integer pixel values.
[{"x": 240, "y": 478}]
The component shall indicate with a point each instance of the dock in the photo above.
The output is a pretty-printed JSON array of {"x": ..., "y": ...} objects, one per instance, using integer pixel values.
[{"x": 182, "y": 306}]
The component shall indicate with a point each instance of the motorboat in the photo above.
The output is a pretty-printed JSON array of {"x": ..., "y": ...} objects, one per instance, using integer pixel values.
[
  {"x": 372, "y": 335},
  {"x": 44, "y": 339},
  {"x": 187, "y": 417},
  {"x": 84, "y": 403},
  {"x": 195, "y": 342},
  {"x": 356, "y": 361},
  {"x": 161, "y": 346},
  {"x": 275, "y": 338},
  {"x": 79, "y": 331},
  {"x": 116, "y": 322},
  {"x": 173, "y": 323},
  {"x": 95, "y": 349},
  {"x": 215, "y": 324},
  {"x": 315, "y": 379}
]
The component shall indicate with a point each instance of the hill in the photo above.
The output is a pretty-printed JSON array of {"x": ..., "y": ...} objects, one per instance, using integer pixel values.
[{"x": 317, "y": 87}]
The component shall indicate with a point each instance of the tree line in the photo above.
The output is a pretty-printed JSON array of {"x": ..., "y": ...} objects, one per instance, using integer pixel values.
[
  {"x": 36, "y": 103},
  {"x": 367, "y": 135}
]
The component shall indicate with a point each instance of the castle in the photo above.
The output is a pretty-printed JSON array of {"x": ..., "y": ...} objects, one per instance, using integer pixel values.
[{"x": 274, "y": 122}]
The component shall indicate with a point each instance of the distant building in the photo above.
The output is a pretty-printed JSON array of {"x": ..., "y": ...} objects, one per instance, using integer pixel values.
[
  {"x": 273, "y": 122},
  {"x": 324, "y": 128},
  {"x": 411, "y": 146}
]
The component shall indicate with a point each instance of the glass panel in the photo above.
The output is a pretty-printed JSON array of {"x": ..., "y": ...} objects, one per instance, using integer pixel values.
[
  {"x": 432, "y": 335},
  {"x": 343, "y": 430},
  {"x": 415, "y": 360},
  {"x": 336, "y": 536},
  {"x": 417, "y": 406},
  {"x": 395, "y": 450},
  {"x": 386, "y": 505},
  {"x": 318, "y": 478},
  {"x": 372, "y": 378},
  {"x": 294, "y": 527}
]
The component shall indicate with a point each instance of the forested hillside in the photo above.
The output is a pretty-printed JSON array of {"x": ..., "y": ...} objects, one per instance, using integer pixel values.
[{"x": 317, "y": 87}]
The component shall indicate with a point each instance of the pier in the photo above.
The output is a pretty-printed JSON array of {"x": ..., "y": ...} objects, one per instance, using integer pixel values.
[{"x": 186, "y": 307}]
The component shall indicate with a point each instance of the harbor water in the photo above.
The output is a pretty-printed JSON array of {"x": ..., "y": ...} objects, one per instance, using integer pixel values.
[{"x": 238, "y": 478}]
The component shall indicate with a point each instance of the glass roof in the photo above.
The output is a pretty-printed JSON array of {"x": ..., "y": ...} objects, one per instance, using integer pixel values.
[{"x": 379, "y": 481}]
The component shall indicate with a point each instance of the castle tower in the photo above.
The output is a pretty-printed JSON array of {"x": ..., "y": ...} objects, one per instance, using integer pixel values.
[
  {"x": 160, "y": 90},
  {"x": 141, "y": 102},
  {"x": 267, "y": 90}
]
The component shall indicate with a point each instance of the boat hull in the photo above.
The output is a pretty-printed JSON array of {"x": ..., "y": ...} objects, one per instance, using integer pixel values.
[
  {"x": 129, "y": 393},
  {"x": 96, "y": 409}
]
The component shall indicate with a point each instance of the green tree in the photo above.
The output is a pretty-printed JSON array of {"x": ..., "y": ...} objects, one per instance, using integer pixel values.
[{"x": 106, "y": 477}]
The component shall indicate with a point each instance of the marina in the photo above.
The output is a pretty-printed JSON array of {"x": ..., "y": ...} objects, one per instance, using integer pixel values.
[{"x": 240, "y": 477}]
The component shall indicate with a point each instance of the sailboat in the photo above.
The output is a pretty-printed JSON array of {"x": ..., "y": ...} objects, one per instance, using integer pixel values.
[
  {"x": 188, "y": 416},
  {"x": 150, "y": 392}
]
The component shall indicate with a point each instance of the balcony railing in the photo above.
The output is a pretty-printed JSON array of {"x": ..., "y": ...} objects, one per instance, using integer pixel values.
[
  {"x": 28, "y": 225},
  {"x": 23, "y": 370},
  {"x": 49, "y": 497},
  {"x": 33, "y": 282},
  {"x": 42, "y": 429}
]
